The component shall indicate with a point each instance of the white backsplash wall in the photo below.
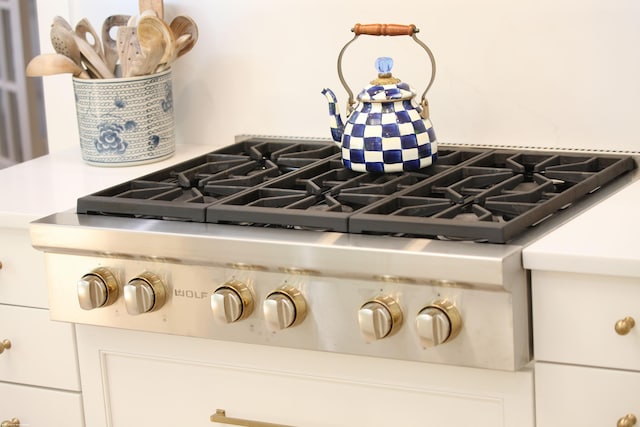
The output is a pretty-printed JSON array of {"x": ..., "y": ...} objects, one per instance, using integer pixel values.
[{"x": 543, "y": 73}]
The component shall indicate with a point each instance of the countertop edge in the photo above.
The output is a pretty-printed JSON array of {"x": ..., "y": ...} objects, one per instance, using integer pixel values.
[{"x": 603, "y": 240}]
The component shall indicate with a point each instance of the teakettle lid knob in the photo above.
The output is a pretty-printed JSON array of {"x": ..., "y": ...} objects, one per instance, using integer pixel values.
[{"x": 384, "y": 64}]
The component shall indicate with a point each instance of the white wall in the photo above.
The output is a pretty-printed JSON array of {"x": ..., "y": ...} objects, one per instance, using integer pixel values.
[{"x": 543, "y": 73}]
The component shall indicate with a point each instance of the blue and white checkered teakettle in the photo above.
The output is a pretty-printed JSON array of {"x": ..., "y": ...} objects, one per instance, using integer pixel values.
[{"x": 386, "y": 131}]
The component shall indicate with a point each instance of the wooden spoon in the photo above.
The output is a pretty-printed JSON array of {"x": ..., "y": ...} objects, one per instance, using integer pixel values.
[
  {"x": 48, "y": 64},
  {"x": 180, "y": 43},
  {"x": 110, "y": 45},
  {"x": 154, "y": 33},
  {"x": 63, "y": 41},
  {"x": 184, "y": 25},
  {"x": 128, "y": 48},
  {"x": 136, "y": 60},
  {"x": 84, "y": 27},
  {"x": 92, "y": 60},
  {"x": 147, "y": 63},
  {"x": 59, "y": 20},
  {"x": 88, "y": 56},
  {"x": 157, "y": 6}
]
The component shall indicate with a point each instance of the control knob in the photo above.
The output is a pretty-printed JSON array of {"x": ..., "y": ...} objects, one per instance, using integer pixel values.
[
  {"x": 283, "y": 308},
  {"x": 144, "y": 293},
  {"x": 438, "y": 323},
  {"x": 231, "y": 302},
  {"x": 96, "y": 289},
  {"x": 379, "y": 318}
]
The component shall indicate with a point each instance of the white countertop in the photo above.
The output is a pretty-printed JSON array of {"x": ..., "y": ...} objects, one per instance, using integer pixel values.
[
  {"x": 602, "y": 240},
  {"x": 52, "y": 183}
]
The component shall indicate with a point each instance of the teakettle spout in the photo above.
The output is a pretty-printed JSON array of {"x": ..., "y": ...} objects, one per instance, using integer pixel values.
[{"x": 335, "y": 121}]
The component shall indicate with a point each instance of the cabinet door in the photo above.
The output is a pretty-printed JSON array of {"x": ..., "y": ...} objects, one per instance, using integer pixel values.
[
  {"x": 40, "y": 407},
  {"x": 574, "y": 319},
  {"x": 42, "y": 352},
  {"x": 580, "y": 396},
  {"x": 22, "y": 275},
  {"x": 150, "y": 379}
]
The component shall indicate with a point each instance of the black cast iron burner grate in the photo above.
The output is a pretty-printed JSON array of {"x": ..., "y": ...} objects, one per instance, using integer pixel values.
[
  {"x": 483, "y": 195},
  {"x": 493, "y": 198},
  {"x": 183, "y": 191}
]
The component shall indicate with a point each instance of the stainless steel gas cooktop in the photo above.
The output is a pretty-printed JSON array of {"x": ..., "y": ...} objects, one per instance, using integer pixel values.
[{"x": 273, "y": 242}]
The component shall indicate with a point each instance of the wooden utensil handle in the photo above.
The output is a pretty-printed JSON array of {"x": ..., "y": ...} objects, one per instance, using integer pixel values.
[{"x": 384, "y": 29}]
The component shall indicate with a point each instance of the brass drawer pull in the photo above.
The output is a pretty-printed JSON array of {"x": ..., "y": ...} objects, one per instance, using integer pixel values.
[
  {"x": 13, "y": 422},
  {"x": 624, "y": 326},
  {"x": 628, "y": 420},
  {"x": 4, "y": 345},
  {"x": 221, "y": 417}
]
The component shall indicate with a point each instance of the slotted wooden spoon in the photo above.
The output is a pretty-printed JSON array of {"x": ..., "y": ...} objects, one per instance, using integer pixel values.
[
  {"x": 92, "y": 60},
  {"x": 128, "y": 48},
  {"x": 59, "y": 20},
  {"x": 85, "y": 31},
  {"x": 63, "y": 41},
  {"x": 110, "y": 45}
]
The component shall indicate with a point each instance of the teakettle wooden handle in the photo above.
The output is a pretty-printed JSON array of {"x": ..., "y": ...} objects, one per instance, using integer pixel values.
[{"x": 384, "y": 29}]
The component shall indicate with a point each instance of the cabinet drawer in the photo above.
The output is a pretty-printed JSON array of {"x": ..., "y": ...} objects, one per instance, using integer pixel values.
[
  {"x": 42, "y": 352},
  {"x": 22, "y": 276},
  {"x": 583, "y": 396},
  {"x": 151, "y": 379},
  {"x": 268, "y": 396},
  {"x": 574, "y": 319},
  {"x": 34, "y": 406}
]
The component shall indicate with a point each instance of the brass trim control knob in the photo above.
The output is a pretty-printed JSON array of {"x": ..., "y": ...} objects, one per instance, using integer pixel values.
[
  {"x": 284, "y": 308},
  {"x": 231, "y": 302},
  {"x": 144, "y": 293},
  {"x": 99, "y": 288},
  {"x": 438, "y": 323},
  {"x": 379, "y": 318}
]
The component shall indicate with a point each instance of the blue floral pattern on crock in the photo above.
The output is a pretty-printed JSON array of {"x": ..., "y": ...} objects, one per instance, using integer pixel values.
[
  {"x": 167, "y": 102},
  {"x": 110, "y": 133},
  {"x": 110, "y": 138},
  {"x": 154, "y": 140}
]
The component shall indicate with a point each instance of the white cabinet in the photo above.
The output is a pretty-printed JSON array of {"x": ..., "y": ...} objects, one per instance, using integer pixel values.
[
  {"x": 22, "y": 277},
  {"x": 575, "y": 316},
  {"x": 134, "y": 378},
  {"x": 40, "y": 407},
  {"x": 569, "y": 395},
  {"x": 39, "y": 380},
  {"x": 586, "y": 373},
  {"x": 42, "y": 352}
]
